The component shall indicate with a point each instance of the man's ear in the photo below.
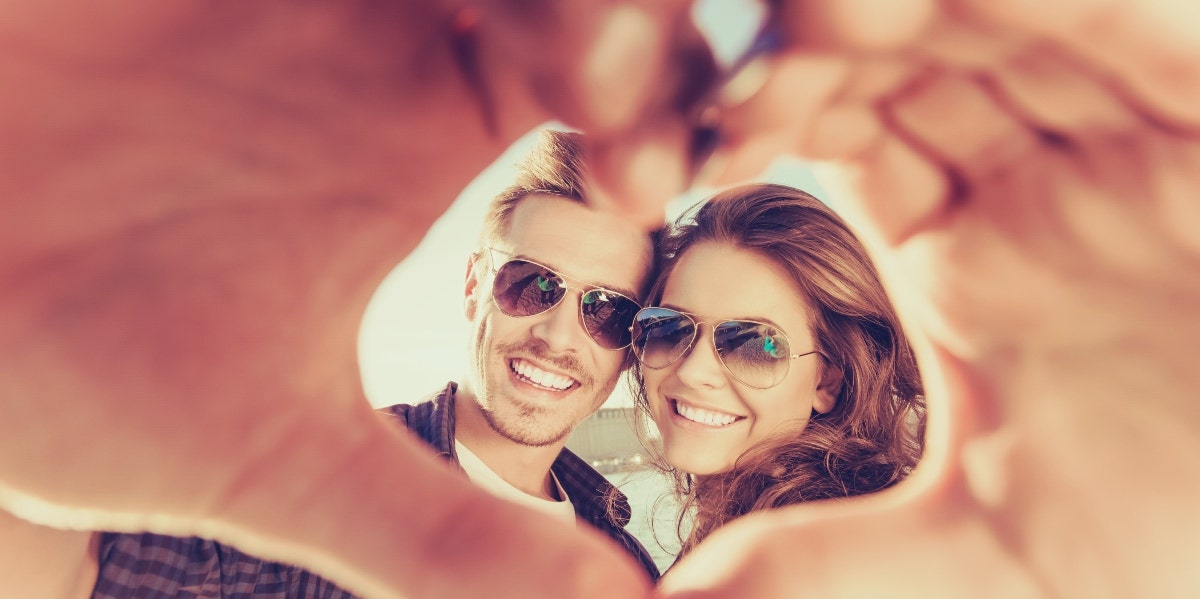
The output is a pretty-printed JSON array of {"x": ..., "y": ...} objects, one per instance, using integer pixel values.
[
  {"x": 471, "y": 288},
  {"x": 828, "y": 388}
]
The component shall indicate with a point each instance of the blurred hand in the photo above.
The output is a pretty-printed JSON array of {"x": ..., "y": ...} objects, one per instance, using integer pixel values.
[
  {"x": 633, "y": 75},
  {"x": 199, "y": 201},
  {"x": 1027, "y": 176}
]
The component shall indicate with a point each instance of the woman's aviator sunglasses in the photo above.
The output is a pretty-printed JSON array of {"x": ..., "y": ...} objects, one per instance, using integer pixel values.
[
  {"x": 755, "y": 353},
  {"x": 525, "y": 288}
]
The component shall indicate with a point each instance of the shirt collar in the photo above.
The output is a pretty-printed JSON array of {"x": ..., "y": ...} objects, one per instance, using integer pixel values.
[{"x": 594, "y": 497}]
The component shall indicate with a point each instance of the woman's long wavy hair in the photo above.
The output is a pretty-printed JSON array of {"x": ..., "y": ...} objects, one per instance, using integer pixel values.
[{"x": 872, "y": 438}]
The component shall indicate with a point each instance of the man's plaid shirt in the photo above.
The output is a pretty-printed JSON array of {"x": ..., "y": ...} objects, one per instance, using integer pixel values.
[{"x": 150, "y": 566}]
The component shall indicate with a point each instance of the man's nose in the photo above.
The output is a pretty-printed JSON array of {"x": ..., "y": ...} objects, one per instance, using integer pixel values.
[
  {"x": 559, "y": 327},
  {"x": 701, "y": 367}
]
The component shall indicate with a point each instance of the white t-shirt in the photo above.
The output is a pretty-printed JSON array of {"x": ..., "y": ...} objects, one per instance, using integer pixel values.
[{"x": 485, "y": 477}]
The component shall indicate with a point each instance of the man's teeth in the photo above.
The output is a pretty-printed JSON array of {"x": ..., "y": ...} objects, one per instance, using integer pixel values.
[
  {"x": 538, "y": 376},
  {"x": 704, "y": 416}
]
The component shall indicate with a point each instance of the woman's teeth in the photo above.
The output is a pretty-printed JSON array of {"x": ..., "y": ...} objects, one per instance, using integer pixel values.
[{"x": 705, "y": 416}]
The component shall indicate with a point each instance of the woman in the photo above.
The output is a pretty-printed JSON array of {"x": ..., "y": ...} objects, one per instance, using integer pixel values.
[{"x": 773, "y": 362}]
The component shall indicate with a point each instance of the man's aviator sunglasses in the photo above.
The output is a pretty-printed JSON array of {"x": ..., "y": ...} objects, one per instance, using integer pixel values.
[
  {"x": 525, "y": 288},
  {"x": 755, "y": 353}
]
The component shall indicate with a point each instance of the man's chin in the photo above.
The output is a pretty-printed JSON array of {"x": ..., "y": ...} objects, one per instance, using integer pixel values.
[
  {"x": 521, "y": 424},
  {"x": 528, "y": 438}
]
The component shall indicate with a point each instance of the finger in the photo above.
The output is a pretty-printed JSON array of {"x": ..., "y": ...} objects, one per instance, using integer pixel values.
[
  {"x": 593, "y": 43},
  {"x": 856, "y": 25},
  {"x": 942, "y": 134},
  {"x": 636, "y": 174},
  {"x": 850, "y": 124},
  {"x": 1053, "y": 94},
  {"x": 36, "y": 561},
  {"x": 824, "y": 549},
  {"x": 778, "y": 118},
  {"x": 747, "y": 160},
  {"x": 512, "y": 552},
  {"x": 632, "y": 75},
  {"x": 611, "y": 63},
  {"x": 822, "y": 108},
  {"x": 966, "y": 41},
  {"x": 958, "y": 123},
  {"x": 1149, "y": 48},
  {"x": 874, "y": 77},
  {"x": 816, "y": 106},
  {"x": 889, "y": 191}
]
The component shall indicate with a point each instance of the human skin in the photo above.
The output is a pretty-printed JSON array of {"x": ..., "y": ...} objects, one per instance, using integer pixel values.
[
  {"x": 1028, "y": 200},
  {"x": 198, "y": 203},
  {"x": 528, "y": 424},
  {"x": 1026, "y": 176}
]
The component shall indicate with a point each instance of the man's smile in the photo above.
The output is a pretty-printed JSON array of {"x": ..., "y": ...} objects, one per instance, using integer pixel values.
[{"x": 537, "y": 376}]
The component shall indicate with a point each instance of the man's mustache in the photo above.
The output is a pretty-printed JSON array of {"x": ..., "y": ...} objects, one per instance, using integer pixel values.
[{"x": 537, "y": 350}]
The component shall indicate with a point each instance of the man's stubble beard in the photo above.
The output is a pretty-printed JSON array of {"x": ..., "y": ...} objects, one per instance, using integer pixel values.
[{"x": 509, "y": 425}]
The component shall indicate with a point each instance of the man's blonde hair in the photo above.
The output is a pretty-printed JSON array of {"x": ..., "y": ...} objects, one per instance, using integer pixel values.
[{"x": 555, "y": 167}]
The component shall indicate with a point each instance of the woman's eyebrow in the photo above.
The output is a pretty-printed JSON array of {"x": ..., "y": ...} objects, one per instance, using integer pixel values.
[{"x": 706, "y": 318}]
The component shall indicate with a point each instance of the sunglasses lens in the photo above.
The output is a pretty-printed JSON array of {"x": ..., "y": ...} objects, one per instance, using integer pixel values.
[
  {"x": 756, "y": 354},
  {"x": 524, "y": 288},
  {"x": 661, "y": 336},
  {"x": 607, "y": 316}
]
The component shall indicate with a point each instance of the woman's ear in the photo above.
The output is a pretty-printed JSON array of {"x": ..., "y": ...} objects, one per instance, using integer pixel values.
[
  {"x": 471, "y": 287},
  {"x": 828, "y": 388}
]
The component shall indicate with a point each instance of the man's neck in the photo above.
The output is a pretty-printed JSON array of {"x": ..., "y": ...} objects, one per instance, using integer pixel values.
[{"x": 522, "y": 466}]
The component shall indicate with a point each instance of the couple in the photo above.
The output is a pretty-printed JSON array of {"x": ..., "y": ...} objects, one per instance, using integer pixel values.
[{"x": 768, "y": 355}]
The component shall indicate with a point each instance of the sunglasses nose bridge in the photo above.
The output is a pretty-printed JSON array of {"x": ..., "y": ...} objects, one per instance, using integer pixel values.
[
  {"x": 716, "y": 351},
  {"x": 712, "y": 338},
  {"x": 712, "y": 331},
  {"x": 575, "y": 292},
  {"x": 558, "y": 282},
  {"x": 696, "y": 339},
  {"x": 577, "y": 300},
  {"x": 705, "y": 370}
]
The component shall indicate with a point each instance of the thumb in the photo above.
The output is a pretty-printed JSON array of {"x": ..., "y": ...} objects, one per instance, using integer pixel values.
[
  {"x": 635, "y": 175},
  {"x": 609, "y": 62}
]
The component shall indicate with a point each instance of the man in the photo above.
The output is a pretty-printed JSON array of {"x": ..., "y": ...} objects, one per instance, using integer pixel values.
[
  {"x": 1030, "y": 168},
  {"x": 551, "y": 294}
]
